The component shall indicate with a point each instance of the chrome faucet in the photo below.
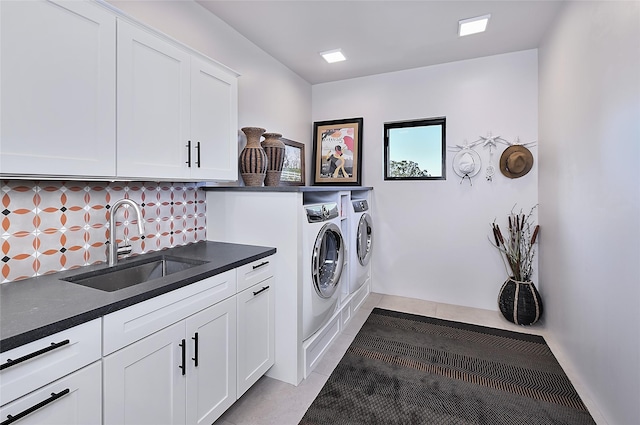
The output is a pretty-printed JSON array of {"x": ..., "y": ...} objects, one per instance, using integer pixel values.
[{"x": 113, "y": 250}]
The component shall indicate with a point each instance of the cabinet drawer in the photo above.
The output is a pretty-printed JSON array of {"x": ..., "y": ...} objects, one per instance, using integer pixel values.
[
  {"x": 73, "y": 400},
  {"x": 45, "y": 360},
  {"x": 131, "y": 324},
  {"x": 255, "y": 272}
]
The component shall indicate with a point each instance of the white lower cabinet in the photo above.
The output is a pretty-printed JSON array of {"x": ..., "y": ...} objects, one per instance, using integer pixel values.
[
  {"x": 186, "y": 356},
  {"x": 183, "y": 357},
  {"x": 72, "y": 400},
  {"x": 211, "y": 368},
  {"x": 256, "y": 342},
  {"x": 54, "y": 380},
  {"x": 38, "y": 363},
  {"x": 184, "y": 373},
  {"x": 143, "y": 383}
]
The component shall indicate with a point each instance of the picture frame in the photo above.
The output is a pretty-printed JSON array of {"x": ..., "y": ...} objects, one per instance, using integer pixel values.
[
  {"x": 337, "y": 152},
  {"x": 293, "y": 170}
]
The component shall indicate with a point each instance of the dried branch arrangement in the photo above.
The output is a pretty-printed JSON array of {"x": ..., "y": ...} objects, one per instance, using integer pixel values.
[{"x": 517, "y": 248}]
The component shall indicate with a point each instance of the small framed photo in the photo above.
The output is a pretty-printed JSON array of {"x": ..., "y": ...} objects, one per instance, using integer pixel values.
[
  {"x": 337, "y": 152},
  {"x": 293, "y": 168}
]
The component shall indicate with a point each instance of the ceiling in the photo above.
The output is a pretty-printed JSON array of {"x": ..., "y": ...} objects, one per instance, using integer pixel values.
[{"x": 382, "y": 36}]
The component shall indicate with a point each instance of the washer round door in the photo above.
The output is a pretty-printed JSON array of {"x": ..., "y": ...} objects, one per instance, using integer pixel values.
[
  {"x": 364, "y": 239},
  {"x": 327, "y": 260}
]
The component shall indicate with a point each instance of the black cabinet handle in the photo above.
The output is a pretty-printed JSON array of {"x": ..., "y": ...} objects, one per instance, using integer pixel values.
[
  {"x": 184, "y": 357},
  {"x": 198, "y": 157},
  {"x": 53, "y": 346},
  {"x": 264, "y": 288},
  {"x": 13, "y": 418},
  {"x": 188, "y": 154},
  {"x": 260, "y": 265},
  {"x": 195, "y": 357}
]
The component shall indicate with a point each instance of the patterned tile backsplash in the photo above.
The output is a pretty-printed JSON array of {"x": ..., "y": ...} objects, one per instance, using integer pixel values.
[{"x": 50, "y": 226}]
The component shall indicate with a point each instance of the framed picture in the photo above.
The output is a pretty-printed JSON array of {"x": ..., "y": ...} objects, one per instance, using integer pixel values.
[
  {"x": 337, "y": 152},
  {"x": 293, "y": 168}
]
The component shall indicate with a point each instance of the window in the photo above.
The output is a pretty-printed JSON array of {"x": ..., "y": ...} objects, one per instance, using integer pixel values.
[{"x": 415, "y": 150}]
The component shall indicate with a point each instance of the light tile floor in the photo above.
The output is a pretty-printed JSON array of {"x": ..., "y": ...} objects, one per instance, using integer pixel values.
[{"x": 272, "y": 402}]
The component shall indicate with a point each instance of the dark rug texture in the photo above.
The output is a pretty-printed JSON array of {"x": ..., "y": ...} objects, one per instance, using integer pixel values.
[{"x": 404, "y": 369}]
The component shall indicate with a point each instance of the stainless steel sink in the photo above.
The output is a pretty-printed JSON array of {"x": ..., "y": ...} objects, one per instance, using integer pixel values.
[{"x": 133, "y": 272}]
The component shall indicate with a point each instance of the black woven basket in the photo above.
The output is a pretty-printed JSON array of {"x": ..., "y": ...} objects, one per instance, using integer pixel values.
[{"x": 520, "y": 302}]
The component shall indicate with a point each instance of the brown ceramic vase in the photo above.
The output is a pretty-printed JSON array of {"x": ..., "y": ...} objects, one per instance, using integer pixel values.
[
  {"x": 274, "y": 148},
  {"x": 253, "y": 159}
]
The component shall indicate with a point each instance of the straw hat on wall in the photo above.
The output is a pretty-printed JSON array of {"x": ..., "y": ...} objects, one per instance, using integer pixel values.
[{"x": 516, "y": 161}]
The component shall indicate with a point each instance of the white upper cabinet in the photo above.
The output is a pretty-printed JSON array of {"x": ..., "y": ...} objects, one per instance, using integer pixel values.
[
  {"x": 214, "y": 121},
  {"x": 153, "y": 105},
  {"x": 177, "y": 113},
  {"x": 57, "y": 88},
  {"x": 88, "y": 92}
]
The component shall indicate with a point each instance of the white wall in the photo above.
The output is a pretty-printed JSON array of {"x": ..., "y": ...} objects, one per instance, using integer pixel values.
[
  {"x": 269, "y": 94},
  {"x": 590, "y": 197},
  {"x": 431, "y": 236}
]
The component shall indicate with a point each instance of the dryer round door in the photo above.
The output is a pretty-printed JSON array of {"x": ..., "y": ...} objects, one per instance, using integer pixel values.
[
  {"x": 364, "y": 239},
  {"x": 327, "y": 260}
]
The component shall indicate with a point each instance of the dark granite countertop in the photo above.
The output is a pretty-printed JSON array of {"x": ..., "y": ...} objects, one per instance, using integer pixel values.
[
  {"x": 34, "y": 308},
  {"x": 283, "y": 188}
]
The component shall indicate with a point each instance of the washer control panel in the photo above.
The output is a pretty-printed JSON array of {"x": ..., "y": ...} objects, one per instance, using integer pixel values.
[
  {"x": 360, "y": 205},
  {"x": 323, "y": 212}
]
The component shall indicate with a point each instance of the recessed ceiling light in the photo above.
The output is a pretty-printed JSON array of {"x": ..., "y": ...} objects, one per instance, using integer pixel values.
[
  {"x": 332, "y": 56},
  {"x": 473, "y": 25}
]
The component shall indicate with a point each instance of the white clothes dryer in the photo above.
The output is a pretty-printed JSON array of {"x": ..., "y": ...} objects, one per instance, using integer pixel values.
[
  {"x": 361, "y": 244},
  {"x": 322, "y": 262}
]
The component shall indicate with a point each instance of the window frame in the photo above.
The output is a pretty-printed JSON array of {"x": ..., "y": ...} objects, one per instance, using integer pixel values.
[{"x": 423, "y": 122}]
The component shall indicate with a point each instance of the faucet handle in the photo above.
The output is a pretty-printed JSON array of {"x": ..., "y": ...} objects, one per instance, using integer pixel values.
[{"x": 124, "y": 249}]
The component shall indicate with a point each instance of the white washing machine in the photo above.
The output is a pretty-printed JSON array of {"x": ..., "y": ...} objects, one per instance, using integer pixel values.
[
  {"x": 361, "y": 243},
  {"x": 322, "y": 262}
]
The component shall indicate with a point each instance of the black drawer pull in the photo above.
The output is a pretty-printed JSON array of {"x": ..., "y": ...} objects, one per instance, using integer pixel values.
[
  {"x": 260, "y": 265},
  {"x": 188, "y": 161},
  {"x": 198, "y": 157},
  {"x": 184, "y": 357},
  {"x": 53, "y": 346},
  {"x": 264, "y": 288},
  {"x": 11, "y": 418},
  {"x": 195, "y": 357}
]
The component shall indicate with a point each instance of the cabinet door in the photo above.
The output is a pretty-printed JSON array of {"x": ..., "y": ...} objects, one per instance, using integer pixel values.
[
  {"x": 211, "y": 375},
  {"x": 256, "y": 343},
  {"x": 57, "y": 88},
  {"x": 144, "y": 382},
  {"x": 72, "y": 400},
  {"x": 153, "y": 105},
  {"x": 214, "y": 121}
]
